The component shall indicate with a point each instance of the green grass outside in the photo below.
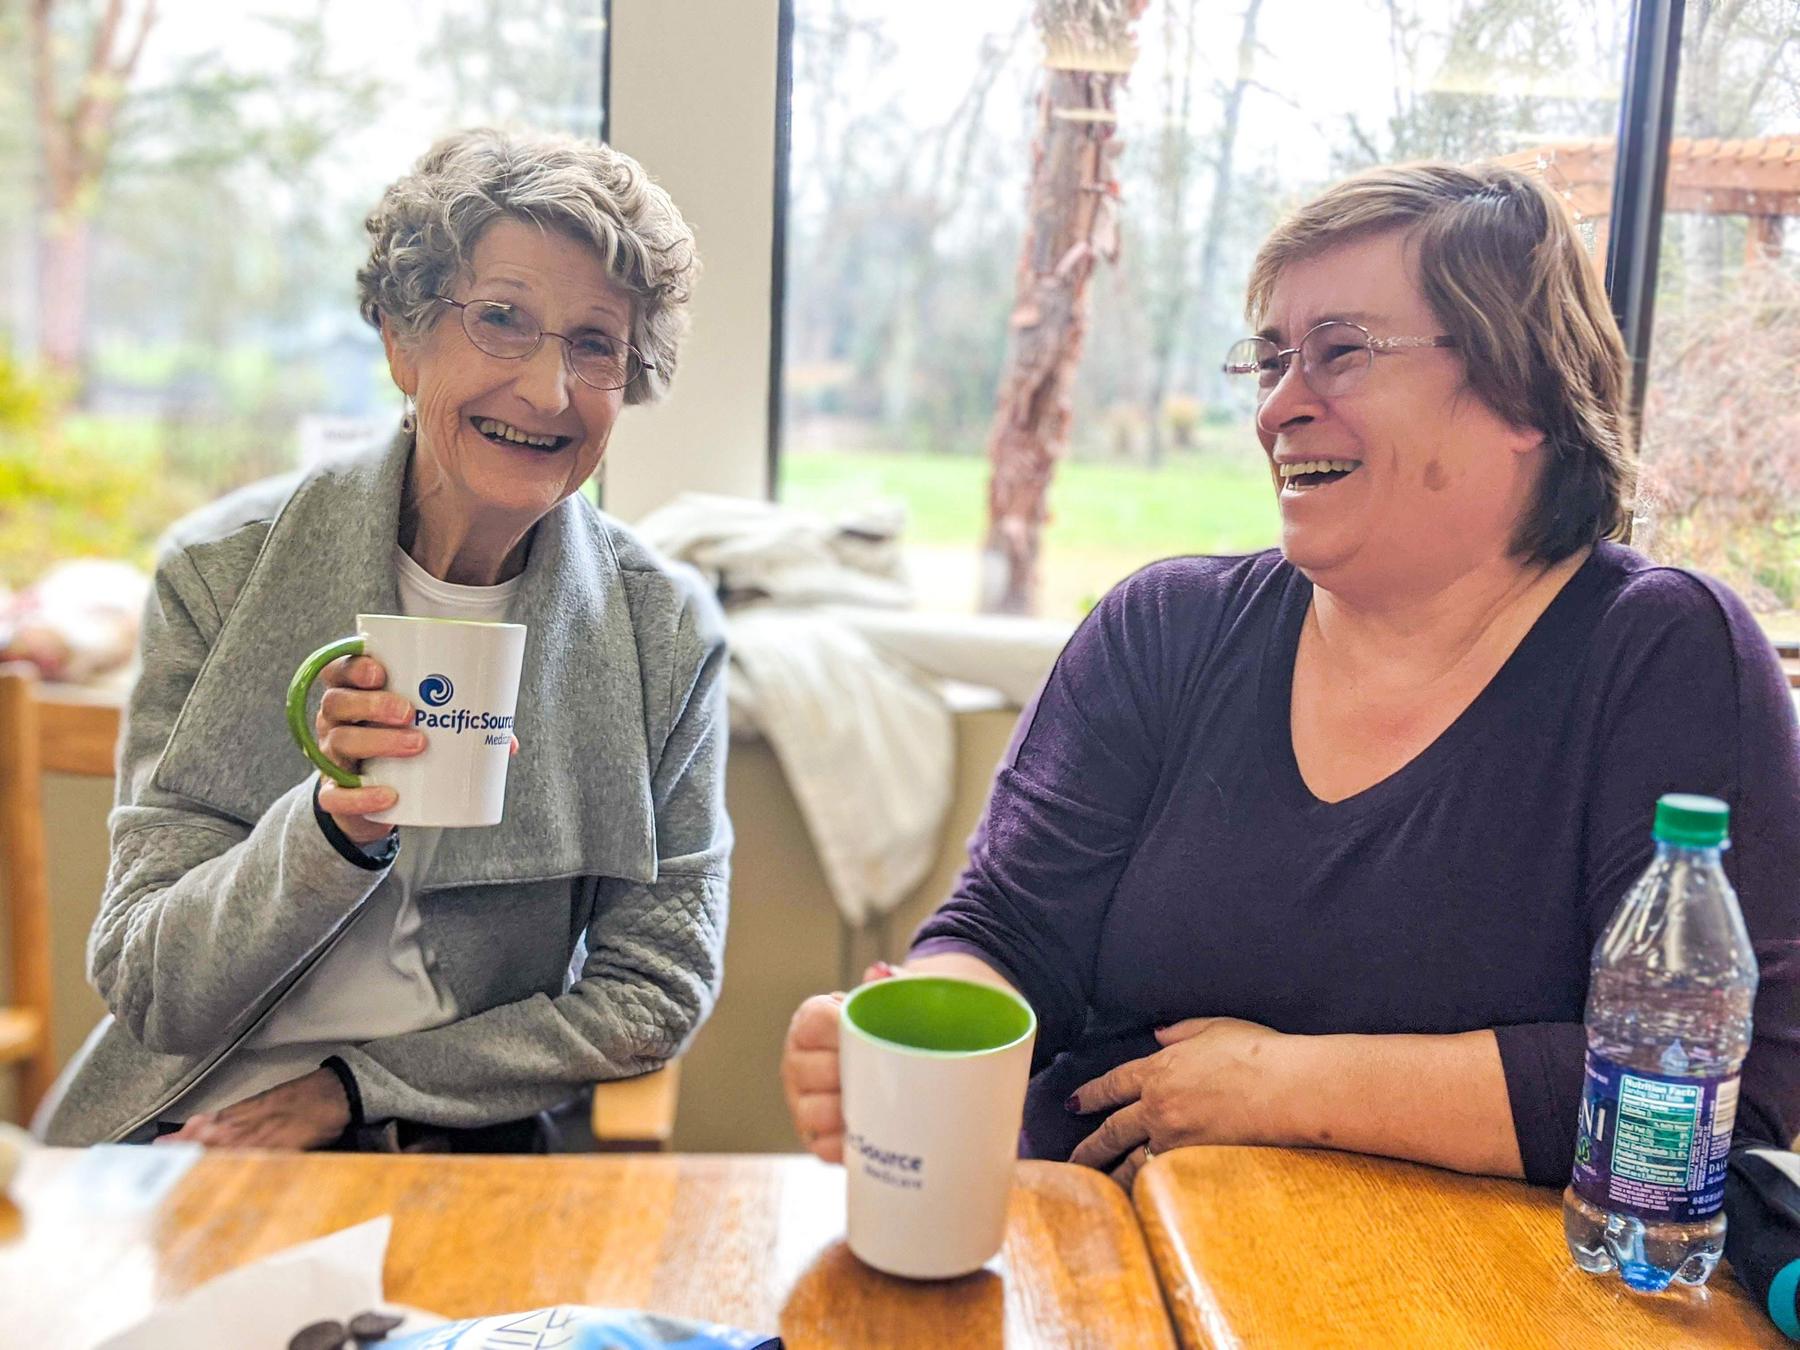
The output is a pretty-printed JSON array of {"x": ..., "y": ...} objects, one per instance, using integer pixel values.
[
  {"x": 1106, "y": 520},
  {"x": 1191, "y": 505}
]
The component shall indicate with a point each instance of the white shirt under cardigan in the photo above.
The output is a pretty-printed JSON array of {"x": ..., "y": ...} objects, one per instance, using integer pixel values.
[{"x": 378, "y": 980}]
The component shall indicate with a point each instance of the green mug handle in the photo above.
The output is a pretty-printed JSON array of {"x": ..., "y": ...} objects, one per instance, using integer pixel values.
[{"x": 299, "y": 687}]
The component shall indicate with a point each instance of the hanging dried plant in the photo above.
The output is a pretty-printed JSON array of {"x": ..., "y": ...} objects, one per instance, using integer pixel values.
[{"x": 1094, "y": 35}]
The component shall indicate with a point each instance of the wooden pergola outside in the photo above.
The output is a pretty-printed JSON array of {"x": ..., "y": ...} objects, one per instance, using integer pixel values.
[{"x": 1759, "y": 179}]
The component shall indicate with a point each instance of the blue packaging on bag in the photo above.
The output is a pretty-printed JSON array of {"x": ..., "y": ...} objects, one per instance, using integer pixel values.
[{"x": 576, "y": 1328}]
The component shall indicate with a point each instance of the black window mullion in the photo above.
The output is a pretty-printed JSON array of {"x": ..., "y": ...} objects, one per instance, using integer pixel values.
[
  {"x": 1646, "y": 122},
  {"x": 606, "y": 41},
  {"x": 596, "y": 486},
  {"x": 784, "y": 138}
]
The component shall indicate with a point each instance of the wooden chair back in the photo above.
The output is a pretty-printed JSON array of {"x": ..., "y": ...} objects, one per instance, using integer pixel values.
[{"x": 40, "y": 732}]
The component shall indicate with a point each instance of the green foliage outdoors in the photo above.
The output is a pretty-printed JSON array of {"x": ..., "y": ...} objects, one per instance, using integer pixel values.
[
  {"x": 26, "y": 404},
  {"x": 69, "y": 490}
]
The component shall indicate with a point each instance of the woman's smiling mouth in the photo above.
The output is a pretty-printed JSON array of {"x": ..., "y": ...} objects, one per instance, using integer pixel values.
[
  {"x": 1309, "y": 474},
  {"x": 504, "y": 433}
]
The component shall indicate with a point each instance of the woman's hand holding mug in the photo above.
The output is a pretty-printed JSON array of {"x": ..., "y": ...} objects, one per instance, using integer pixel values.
[
  {"x": 439, "y": 763},
  {"x": 359, "y": 719},
  {"x": 917, "y": 1085},
  {"x": 809, "y": 1070},
  {"x": 810, "y": 1075}
]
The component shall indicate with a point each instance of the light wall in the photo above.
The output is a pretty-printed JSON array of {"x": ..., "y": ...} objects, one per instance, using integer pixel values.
[{"x": 693, "y": 99}]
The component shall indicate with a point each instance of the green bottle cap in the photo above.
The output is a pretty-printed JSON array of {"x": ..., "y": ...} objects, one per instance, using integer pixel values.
[{"x": 1697, "y": 822}]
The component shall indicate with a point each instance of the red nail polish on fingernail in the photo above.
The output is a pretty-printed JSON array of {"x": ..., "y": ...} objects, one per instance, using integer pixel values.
[{"x": 1072, "y": 1105}]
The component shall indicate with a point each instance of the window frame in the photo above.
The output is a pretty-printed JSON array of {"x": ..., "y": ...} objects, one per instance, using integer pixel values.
[
  {"x": 1640, "y": 178},
  {"x": 784, "y": 140}
]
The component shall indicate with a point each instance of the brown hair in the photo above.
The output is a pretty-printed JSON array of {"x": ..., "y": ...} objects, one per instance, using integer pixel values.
[{"x": 1502, "y": 267}]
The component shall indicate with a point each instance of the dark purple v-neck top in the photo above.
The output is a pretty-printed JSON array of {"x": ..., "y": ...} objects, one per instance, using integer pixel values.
[{"x": 1151, "y": 852}]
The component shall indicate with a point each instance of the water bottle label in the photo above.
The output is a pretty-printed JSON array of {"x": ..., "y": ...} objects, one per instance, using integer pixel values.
[{"x": 1651, "y": 1145}]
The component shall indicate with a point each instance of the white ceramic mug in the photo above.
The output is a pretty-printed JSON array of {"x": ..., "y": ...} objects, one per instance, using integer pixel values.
[
  {"x": 462, "y": 678},
  {"x": 933, "y": 1078}
]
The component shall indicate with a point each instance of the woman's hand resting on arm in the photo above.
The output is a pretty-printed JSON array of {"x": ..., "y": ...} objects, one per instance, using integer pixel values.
[
  {"x": 306, "y": 1113},
  {"x": 1218, "y": 1080},
  {"x": 809, "y": 1059}
]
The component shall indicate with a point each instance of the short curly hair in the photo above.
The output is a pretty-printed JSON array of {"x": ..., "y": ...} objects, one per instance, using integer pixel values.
[{"x": 423, "y": 231}]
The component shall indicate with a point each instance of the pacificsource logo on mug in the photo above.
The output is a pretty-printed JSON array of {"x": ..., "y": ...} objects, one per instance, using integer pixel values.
[
  {"x": 893, "y": 1168},
  {"x": 437, "y": 690}
]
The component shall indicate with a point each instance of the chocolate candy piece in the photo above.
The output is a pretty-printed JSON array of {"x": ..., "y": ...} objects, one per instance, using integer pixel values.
[
  {"x": 319, "y": 1336},
  {"x": 373, "y": 1326}
]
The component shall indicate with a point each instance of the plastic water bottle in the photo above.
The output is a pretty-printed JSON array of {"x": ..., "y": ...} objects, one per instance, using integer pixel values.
[{"x": 1668, "y": 1025}]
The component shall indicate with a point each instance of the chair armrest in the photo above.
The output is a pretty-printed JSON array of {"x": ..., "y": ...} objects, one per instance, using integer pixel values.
[
  {"x": 637, "y": 1113},
  {"x": 21, "y": 1034}
]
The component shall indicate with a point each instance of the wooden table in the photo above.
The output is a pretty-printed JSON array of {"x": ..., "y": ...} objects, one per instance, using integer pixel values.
[
  {"x": 754, "y": 1242},
  {"x": 1298, "y": 1249}
]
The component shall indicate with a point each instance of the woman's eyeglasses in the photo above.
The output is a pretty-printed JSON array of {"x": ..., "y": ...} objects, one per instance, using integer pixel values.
[
  {"x": 510, "y": 333},
  {"x": 1334, "y": 357}
]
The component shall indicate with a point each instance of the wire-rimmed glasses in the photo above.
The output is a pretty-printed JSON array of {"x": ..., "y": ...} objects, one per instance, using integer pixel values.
[
  {"x": 1334, "y": 357},
  {"x": 598, "y": 359}
]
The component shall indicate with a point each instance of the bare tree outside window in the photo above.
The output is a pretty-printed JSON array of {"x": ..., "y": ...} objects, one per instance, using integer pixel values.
[
  {"x": 79, "y": 83},
  {"x": 1071, "y": 226},
  {"x": 900, "y": 333}
]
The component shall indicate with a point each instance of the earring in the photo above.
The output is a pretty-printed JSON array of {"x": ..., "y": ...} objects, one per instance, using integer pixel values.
[{"x": 409, "y": 420}]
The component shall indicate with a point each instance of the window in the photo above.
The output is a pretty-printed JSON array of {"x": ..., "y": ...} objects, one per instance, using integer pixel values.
[
  {"x": 180, "y": 314},
  {"x": 911, "y": 151},
  {"x": 1721, "y": 430}
]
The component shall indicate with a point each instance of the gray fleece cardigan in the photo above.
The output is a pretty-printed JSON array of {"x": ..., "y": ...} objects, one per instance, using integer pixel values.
[{"x": 582, "y": 937}]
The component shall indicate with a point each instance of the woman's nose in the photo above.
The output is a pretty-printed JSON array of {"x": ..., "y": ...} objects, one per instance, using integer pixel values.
[
  {"x": 1291, "y": 400},
  {"x": 543, "y": 380}
]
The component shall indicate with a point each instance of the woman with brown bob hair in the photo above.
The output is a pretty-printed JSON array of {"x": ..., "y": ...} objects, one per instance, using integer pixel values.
[{"x": 1311, "y": 847}]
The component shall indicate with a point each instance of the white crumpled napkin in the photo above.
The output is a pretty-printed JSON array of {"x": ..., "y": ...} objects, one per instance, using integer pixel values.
[{"x": 265, "y": 1303}]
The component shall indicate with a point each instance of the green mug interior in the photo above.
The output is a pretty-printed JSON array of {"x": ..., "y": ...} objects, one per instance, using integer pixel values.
[{"x": 939, "y": 1015}]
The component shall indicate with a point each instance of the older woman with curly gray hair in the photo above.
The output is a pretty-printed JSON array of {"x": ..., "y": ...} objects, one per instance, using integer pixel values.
[{"x": 285, "y": 971}]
